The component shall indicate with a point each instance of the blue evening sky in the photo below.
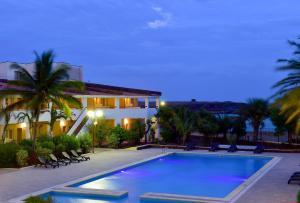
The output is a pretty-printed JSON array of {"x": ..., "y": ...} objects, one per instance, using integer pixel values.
[{"x": 205, "y": 49}]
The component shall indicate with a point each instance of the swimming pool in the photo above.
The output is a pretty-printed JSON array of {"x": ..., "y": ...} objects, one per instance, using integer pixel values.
[{"x": 201, "y": 175}]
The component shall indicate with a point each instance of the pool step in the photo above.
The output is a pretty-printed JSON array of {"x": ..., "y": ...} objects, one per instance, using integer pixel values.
[
  {"x": 91, "y": 192},
  {"x": 180, "y": 198}
]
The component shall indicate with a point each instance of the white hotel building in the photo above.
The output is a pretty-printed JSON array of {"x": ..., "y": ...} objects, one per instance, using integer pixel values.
[{"x": 119, "y": 105}]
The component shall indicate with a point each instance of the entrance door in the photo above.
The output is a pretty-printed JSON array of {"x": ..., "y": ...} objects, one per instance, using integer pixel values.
[{"x": 19, "y": 134}]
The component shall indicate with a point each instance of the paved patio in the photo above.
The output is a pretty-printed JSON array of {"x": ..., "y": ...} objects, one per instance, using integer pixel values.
[{"x": 271, "y": 188}]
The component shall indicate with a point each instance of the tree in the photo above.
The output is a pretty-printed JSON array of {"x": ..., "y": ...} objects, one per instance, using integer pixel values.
[
  {"x": 256, "y": 111},
  {"x": 6, "y": 116},
  {"x": 239, "y": 127},
  {"x": 225, "y": 124},
  {"x": 176, "y": 123},
  {"x": 26, "y": 116},
  {"x": 137, "y": 131},
  {"x": 102, "y": 130},
  {"x": 44, "y": 85},
  {"x": 279, "y": 121},
  {"x": 207, "y": 124},
  {"x": 288, "y": 94},
  {"x": 54, "y": 116}
]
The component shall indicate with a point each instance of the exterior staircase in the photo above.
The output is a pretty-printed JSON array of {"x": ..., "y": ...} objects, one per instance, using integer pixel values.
[{"x": 79, "y": 123}]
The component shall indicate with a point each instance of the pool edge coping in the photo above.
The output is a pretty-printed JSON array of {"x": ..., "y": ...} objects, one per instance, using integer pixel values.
[
  {"x": 21, "y": 199},
  {"x": 231, "y": 197}
]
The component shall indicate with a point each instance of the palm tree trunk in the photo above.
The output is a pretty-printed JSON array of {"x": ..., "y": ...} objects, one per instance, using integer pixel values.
[
  {"x": 35, "y": 129},
  {"x": 4, "y": 133},
  {"x": 255, "y": 134}
]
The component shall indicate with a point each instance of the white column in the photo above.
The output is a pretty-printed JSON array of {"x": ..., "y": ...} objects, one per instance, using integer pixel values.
[
  {"x": 157, "y": 102},
  {"x": 146, "y": 102},
  {"x": 27, "y": 131},
  {"x": 84, "y": 102},
  {"x": 117, "y": 102}
]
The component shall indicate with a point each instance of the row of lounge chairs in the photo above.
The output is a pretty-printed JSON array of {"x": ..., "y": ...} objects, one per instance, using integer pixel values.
[
  {"x": 232, "y": 148},
  {"x": 53, "y": 161}
]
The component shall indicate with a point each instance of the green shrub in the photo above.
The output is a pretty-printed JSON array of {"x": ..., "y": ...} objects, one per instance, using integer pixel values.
[
  {"x": 43, "y": 152},
  {"x": 113, "y": 141},
  {"x": 48, "y": 145},
  {"x": 8, "y": 154},
  {"x": 69, "y": 141},
  {"x": 22, "y": 158},
  {"x": 298, "y": 197},
  {"x": 26, "y": 145},
  {"x": 44, "y": 138},
  {"x": 59, "y": 149},
  {"x": 39, "y": 200},
  {"x": 85, "y": 141},
  {"x": 118, "y": 134}
]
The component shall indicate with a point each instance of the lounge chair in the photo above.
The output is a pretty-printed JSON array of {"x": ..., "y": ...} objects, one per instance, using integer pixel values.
[
  {"x": 71, "y": 159},
  {"x": 259, "y": 149},
  {"x": 59, "y": 161},
  {"x": 79, "y": 151},
  {"x": 214, "y": 147},
  {"x": 44, "y": 163},
  {"x": 294, "y": 179},
  {"x": 232, "y": 148},
  {"x": 75, "y": 154},
  {"x": 190, "y": 146}
]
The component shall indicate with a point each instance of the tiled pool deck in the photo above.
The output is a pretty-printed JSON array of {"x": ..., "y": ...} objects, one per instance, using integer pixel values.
[{"x": 271, "y": 188}]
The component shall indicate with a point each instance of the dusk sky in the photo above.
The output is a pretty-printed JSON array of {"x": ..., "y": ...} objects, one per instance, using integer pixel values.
[{"x": 210, "y": 50}]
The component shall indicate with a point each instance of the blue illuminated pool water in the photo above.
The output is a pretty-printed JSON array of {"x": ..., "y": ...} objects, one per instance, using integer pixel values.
[{"x": 185, "y": 174}]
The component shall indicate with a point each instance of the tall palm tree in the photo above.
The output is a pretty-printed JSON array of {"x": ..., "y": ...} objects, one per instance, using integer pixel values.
[
  {"x": 256, "y": 111},
  {"x": 47, "y": 84},
  {"x": 6, "y": 115},
  {"x": 288, "y": 94}
]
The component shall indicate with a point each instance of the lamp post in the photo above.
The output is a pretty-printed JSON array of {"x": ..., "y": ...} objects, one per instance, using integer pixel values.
[{"x": 94, "y": 115}]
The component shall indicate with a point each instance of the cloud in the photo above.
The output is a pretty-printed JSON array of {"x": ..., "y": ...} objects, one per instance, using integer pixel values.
[{"x": 165, "y": 18}]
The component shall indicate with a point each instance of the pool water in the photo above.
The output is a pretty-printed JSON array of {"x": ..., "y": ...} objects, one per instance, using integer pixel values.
[{"x": 178, "y": 173}]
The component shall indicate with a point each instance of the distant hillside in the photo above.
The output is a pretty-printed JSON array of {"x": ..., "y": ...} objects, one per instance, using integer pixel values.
[{"x": 226, "y": 107}]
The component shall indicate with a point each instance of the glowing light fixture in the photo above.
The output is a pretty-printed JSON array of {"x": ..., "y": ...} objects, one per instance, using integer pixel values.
[
  {"x": 162, "y": 103},
  {"x": 99, "y": 113},
  {"x": 91, "y": 114},
  {"x": 23, "y": 125},
  {"x": 62, "y": 123},
  {"x": 125, "y": 121}
]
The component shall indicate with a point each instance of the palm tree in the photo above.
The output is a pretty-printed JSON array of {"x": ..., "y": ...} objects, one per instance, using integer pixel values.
[
  {"x": 6, "y": 115},
  {"x": 184, "y": 122},
  {"x": 288, "y": 94},
  {"x": 26, "y": 116},
  {"x": 54, "y": 116},
  {"x": 256, "y": 111},
  {"x": 47, "y": 84},
  {"x": 225, "y": 124}
]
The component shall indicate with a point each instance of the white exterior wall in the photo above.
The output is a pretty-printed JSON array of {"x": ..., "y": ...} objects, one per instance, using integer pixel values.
[{"x": 6, "y": 72}]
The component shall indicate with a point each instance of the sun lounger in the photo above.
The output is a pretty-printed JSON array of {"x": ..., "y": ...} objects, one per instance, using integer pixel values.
[
  {"x": 232, "y": 148},
  {"x": 259, "y": 149},
  {"x": 214, "y": 147},
  {"x": 59, "y": 161},
  {"x": 75, "y": 154},
  {"x": 190, "y": 146},
  {"x": 71, "y": 159},
  {"x": 44, "y": 163}
]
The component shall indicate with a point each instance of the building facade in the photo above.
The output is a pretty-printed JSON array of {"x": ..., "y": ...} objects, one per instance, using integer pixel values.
[{"x": 116, "y": 105}]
